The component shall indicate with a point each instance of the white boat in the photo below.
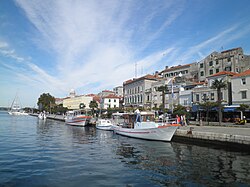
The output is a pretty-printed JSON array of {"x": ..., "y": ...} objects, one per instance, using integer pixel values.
[
  {"x": 76, "y": 118},
  {"x": 104, "y": 124},
  {"x": 15, "y": 108},
  {"x": 141, "y": 125},
  {"x": 42, "y": 115}
]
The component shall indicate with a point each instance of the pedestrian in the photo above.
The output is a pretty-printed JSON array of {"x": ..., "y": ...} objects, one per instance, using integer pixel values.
[
  {"x": 178, "y": 119},
  {"x": 184, "y": 120}
]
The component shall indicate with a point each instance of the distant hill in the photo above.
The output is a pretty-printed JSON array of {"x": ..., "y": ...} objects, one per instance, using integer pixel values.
[{"x": 4, "y": 108}]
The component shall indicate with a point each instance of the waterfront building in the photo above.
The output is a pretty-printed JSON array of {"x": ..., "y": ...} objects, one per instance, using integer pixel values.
[
  {"x": 110, "y": 101},
  {"x": 232, "y": 60},
  {"x": 241, "y": 88},
  {"x": 73, "y": 101},
  {"x": 137, "y": 92},
  {"x": 204, "y": 93}
]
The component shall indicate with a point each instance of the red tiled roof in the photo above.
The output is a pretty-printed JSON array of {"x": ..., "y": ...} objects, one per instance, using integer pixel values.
[
  {"x": 176, "y": 67},
  {"x": 244, "y": 73},
  {"x": 223, "y": 73},
  {"x": 107, "y": 91},
  {"x": 112, "y": 96}
]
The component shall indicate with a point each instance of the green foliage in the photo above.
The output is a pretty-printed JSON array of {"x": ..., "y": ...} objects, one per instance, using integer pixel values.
[
  {"x": 243, "y": 107},
  {"x": 59, "y": 109},
  {"x": 45, "y": 101},
  {"x": 219, "y": 84},
  {"x": 93, "y": 104},
  {"x": 82, "y": 106},
  {"x": 180, "y": 110}
]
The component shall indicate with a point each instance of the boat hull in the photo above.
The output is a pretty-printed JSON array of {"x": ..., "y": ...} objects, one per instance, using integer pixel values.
[
  {"x": 107, "y": 128},
  {"x": 163, "y": 133},
  {"x": 104, "y": 124},
  {"x": 18, "y": 113},
  {"x": 78, "y": 121}
]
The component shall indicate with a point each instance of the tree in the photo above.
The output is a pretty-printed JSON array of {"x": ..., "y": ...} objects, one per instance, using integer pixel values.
[
  {"x": 93, "y": 105},
  {"x": 242, "y": 108},
  {"x": 82, "y": 106},
  {"x": 218, "y": 85},
  {"x": 208, "y": 106},
  {"x": 45, "y": 101},
  {"x": 163, "y": 90}
]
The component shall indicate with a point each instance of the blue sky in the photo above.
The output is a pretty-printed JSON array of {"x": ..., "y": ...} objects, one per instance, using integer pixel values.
[{"x": 54, "y": 46}]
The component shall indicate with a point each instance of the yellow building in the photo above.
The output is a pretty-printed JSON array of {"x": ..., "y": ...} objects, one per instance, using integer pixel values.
[{"x": 73, "y": 103}]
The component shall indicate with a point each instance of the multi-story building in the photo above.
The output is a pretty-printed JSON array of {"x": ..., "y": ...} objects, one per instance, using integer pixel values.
[
  {"x": 230, "y": 60},
  {"x": 137, "y": 92},
  {"x": 204, "y": 93},
  {"x": 241, "y": 88},
  {"x": 73, "y": 101},
  {"x": 188, "y": 72},
  {"x": 118, "y": 90},
  {"x": 110, "y": 101}
]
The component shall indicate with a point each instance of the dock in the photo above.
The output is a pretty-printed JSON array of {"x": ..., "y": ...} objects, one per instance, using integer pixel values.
[{"x": 229, "y": 136}]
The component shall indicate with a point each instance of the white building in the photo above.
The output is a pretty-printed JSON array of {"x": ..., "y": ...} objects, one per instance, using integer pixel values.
[
  {"x": 110, "y": 101},
  {"x": 241, "y": 88}
]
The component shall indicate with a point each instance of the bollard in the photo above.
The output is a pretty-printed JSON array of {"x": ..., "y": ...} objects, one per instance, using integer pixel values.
[{"x": 200, "y": 123}]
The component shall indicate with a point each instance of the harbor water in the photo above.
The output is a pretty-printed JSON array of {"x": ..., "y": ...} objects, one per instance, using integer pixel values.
[{"x": 34, "y": 152}]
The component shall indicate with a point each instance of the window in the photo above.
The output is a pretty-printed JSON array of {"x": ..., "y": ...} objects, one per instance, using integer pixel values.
[
  {"x": 243, "y": 94},
  {"x": 109, "y": 100},
  {"x": 202, "y": 73},
  {"x": 217, "y": 70},
  {"x": 243, "y": 81},
  {"x": 148, "y": 98},
  {"x": 217, "y": 62},
  {"x": 114, "y": 106},
  {"x": 229, "y": 59},
  {"x": 229, "y": 68},
  {"x": 201, "y": 65},
  {"x": 212, "y": 96},
  {"x": 197, "y": 98},
  {"x": 114, "y": 100},
  {"x": 210, "y": 63},
  {"x": 211, "y": 71},
  {"x": 185, "y": 102}
]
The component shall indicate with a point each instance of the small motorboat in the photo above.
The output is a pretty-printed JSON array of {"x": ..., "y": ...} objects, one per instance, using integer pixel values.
[
  {"x": 104, "y": 124},
  {"x": 42, "y": 115},
  {"x": 76, "y": 118},
  {"x": 141, "y": 125}
]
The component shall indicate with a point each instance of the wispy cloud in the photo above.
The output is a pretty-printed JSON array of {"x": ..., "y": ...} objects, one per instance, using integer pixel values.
[{"x": 93, "y": 41}]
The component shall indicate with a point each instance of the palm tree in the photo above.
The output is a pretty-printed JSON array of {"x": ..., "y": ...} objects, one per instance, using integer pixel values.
[
  {"x": 218, "y": 85},
  {"x": 164, "y": 90}
]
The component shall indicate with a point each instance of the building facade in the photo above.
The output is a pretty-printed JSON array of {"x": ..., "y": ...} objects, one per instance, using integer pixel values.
[
  {"x": 241, "y": 88},
  {"x": 110, "y": 101},
  {"x": 232, "y": 60},
  {"x": 137, "y": 92},
  {"x": 73, "y": 103}
]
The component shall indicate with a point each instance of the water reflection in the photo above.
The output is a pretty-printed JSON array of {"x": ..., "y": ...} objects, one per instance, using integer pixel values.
[{"x": 180, "y": 164}]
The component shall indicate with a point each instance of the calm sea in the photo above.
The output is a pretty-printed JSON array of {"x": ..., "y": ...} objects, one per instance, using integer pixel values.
[{"x": 50, "y": 153}]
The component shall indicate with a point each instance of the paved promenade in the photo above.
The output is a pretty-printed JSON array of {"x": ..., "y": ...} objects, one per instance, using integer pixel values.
[{"x": 228, "y": 134}]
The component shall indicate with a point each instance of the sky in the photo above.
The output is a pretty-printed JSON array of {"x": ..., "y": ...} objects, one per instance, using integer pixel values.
[{"x": 53, "y": 46}]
